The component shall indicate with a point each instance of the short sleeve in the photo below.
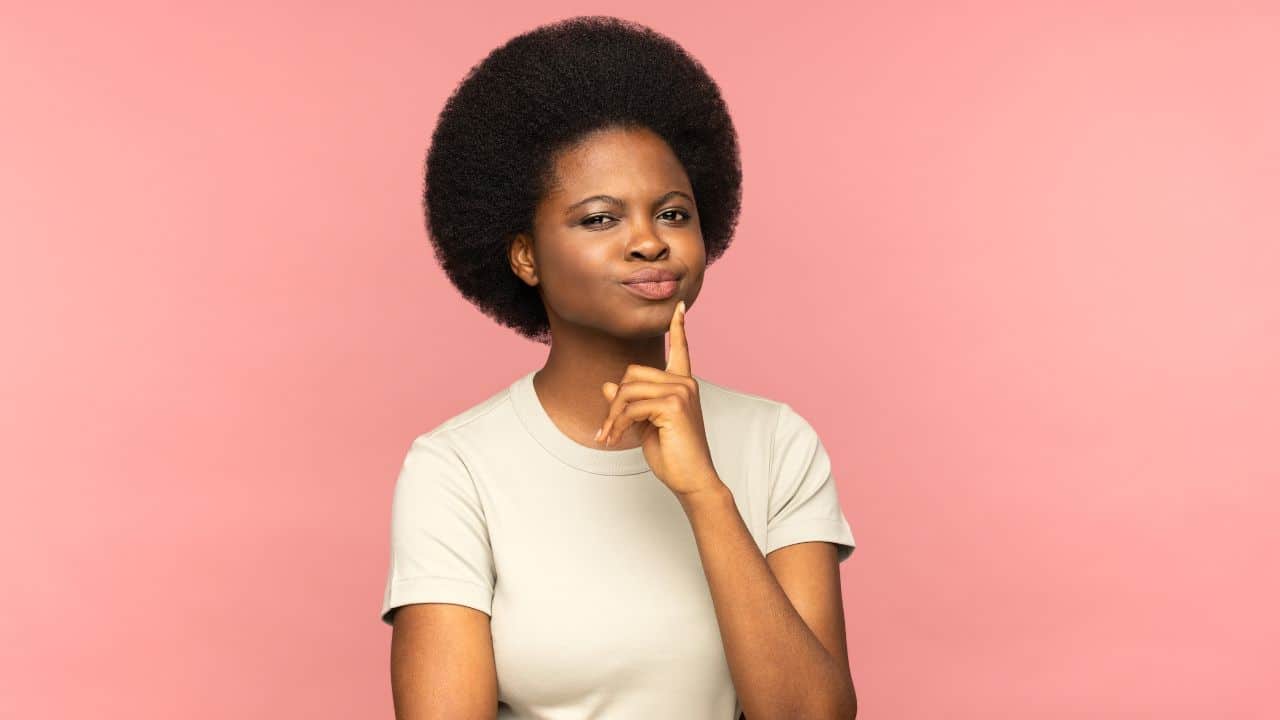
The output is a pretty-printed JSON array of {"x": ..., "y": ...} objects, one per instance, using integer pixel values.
[
  {"x": 440, "y": 549},
  {"x": 803, "y": 503}
]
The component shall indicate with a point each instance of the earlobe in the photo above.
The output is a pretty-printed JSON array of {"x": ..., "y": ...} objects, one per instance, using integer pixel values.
[{"x": 526, "y": 274}]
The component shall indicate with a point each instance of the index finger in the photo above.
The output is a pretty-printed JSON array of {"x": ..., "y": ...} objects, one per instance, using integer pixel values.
[{"x": 678, "y": 357}]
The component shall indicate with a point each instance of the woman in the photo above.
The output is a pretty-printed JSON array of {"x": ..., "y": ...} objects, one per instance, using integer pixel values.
[{"x": 610, "y": 535}]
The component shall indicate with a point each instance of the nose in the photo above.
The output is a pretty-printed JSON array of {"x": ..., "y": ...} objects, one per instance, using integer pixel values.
[{"x": 647, "y": 245}]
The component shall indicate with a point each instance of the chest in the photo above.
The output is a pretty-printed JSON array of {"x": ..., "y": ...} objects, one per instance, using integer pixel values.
[{"x": 600, "y": 593}]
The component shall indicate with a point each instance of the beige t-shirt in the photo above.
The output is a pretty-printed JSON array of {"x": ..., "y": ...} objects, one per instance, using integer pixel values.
[{"x": 585, "y": 561}]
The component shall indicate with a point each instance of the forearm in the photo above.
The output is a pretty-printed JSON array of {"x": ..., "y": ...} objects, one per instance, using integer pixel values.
[{"x": 779, "y": 667}]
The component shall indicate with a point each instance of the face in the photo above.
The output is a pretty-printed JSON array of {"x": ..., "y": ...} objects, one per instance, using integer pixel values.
[{"x": 584, "y": 247}]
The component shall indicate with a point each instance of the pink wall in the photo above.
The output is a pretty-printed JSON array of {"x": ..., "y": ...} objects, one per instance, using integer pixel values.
[{"x": 1023, "y": 281}]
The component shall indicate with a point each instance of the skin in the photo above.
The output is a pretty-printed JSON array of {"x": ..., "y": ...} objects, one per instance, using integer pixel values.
[{"x": 577, "y": 258}]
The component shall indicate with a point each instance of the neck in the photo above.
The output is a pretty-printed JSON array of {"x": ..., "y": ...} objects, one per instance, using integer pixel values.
[{"x": 570, "y": 382}]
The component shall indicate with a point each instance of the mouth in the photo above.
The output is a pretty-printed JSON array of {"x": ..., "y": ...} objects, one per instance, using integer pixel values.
[
  {"x": 652, "y": 283},
  {"x": 660, "y": 290}
]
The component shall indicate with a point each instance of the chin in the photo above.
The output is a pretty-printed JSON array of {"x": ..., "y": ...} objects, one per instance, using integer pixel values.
[{"x": 642, "y": 328}]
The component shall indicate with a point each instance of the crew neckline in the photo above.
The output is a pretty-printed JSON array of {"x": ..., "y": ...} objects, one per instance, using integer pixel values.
[{"x": 628, "y": 461}]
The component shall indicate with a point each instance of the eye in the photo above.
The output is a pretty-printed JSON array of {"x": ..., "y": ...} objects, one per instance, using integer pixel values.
[
  {"x": 588, "y": 221},
  {"x": 676, "y": 210}
]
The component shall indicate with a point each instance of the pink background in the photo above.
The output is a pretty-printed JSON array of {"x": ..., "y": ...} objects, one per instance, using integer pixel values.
[{"x": 1018, "y": 266}]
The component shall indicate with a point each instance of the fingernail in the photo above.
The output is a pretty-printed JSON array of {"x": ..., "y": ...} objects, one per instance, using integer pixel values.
[{"x": 596, "y": 437}]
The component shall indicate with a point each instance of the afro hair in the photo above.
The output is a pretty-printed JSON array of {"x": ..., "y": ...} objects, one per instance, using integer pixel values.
[{"x": 493, "y": 149}]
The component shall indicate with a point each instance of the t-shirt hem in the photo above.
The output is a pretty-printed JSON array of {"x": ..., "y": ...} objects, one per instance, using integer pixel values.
[
  {"x": 408, "y": 591},
  {"x": 809, "y": 530}
]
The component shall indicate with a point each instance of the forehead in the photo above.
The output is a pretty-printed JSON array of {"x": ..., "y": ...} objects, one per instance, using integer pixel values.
[{"x": 618, "y": 162}]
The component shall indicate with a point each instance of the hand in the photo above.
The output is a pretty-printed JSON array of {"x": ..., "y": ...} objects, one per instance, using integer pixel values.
[{"x": 667, "y": 403}]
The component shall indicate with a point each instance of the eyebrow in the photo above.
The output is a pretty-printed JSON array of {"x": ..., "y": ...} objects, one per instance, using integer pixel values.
[{"x": 615, "y": 201}]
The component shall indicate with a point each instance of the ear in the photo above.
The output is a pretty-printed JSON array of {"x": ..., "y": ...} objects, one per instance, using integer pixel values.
[{"x": 520, "y": 257}]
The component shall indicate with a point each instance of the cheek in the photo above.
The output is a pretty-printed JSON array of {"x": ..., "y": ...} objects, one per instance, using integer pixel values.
[
  {"x": 695, "y": 257},
  {"x": 695, "y": 282},
  {"x": 693, "y": 248},
  {"x": 574, "y": 279}
]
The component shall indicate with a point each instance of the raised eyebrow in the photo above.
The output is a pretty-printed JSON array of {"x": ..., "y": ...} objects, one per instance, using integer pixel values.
[{"x": 611, "y": 200}]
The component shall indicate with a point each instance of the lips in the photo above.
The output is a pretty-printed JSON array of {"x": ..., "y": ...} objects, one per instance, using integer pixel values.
[
  {"x": 650, "y": 275},
  {"x": 653, "y": 283},
  {"x": 653, "y": 290}
]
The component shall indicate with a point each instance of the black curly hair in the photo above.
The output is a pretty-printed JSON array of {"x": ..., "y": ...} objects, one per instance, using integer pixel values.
[{"x": 493, "y": 149}]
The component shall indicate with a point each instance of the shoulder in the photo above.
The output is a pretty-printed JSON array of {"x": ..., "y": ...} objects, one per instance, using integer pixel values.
[
  {"x": 720, "y": 399},
  {"x": 469, "y": 421},
  {"x": 449, "y": 447},
  {"x": 734, "y": 417},
  {"x": 439, "y": 467},
  {"x": 722, "y": 402}
]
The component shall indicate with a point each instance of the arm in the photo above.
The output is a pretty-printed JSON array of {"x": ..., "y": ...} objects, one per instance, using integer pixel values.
[
  {"x": 442, "y": 663},
  {"x": 781, "y": 667},
  {"x": 439, "y": 589}
]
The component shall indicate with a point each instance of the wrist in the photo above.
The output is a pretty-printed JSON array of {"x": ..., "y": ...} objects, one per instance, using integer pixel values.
[{"x": 715, "y": 493}]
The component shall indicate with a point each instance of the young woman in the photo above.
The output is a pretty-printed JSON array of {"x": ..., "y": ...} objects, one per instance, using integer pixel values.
[{"x": 611, "y": 535}]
